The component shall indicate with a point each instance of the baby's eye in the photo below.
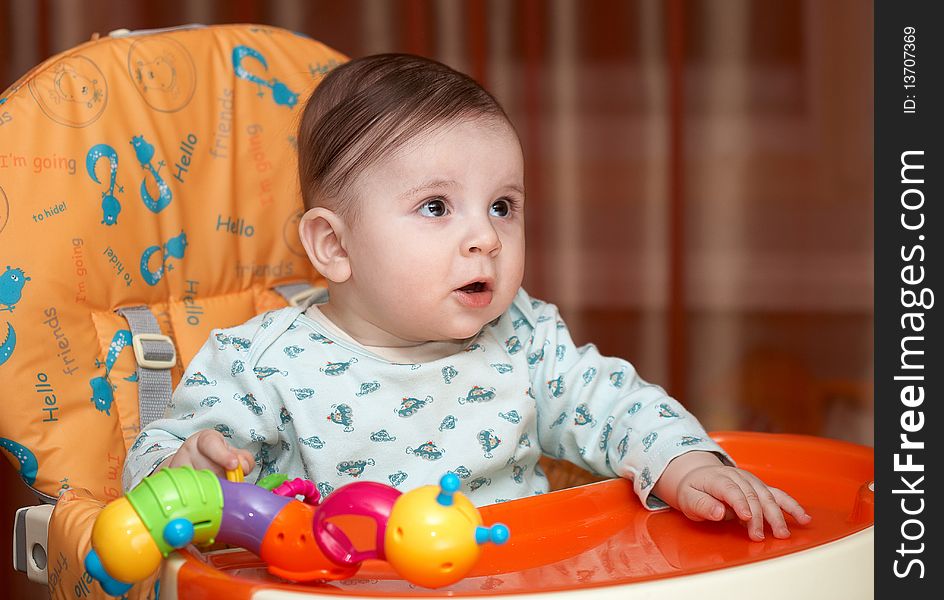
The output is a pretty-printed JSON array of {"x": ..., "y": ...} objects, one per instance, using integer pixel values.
[
  {"x": 501, "y": 208},
  {"x": 433, "y": 208}
]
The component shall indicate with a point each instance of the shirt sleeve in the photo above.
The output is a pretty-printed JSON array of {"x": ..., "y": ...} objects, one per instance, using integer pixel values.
[
  {"x": 596, "y": 412},
  {"x": 219, "y": 390}
]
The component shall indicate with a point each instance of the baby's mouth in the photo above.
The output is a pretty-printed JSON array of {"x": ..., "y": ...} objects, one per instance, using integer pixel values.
[
  {"x": 474, "y": 287},
  {"x": 477, "y": 294}
]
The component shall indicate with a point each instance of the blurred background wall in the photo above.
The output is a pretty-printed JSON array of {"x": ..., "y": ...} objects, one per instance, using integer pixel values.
[{"x": 699, "y": 173}]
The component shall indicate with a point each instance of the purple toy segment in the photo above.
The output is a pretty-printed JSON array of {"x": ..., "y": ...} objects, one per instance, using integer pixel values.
[
  {"x": 248, "y": 510},
  {"x": 363, "y": 498}
]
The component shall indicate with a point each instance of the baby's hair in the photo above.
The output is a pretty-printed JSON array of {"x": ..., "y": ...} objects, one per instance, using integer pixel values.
[{"x": 365, "y": 109}]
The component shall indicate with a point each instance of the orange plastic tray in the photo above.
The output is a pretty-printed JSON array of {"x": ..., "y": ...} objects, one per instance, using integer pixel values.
[{"x": 600, "y": 535}]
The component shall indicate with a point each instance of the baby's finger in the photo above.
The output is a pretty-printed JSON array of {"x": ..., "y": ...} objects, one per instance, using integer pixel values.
[
  {"x": 790, "y": 505},
  {"x": 699, "y": 506},
  {"x": 726, "y": 490},
  {"x": 756, "y": 527},
  {"x": 770, "y": 506},
  {"x": 215, "y": 449},
  {"x": 246, "y": 460}
]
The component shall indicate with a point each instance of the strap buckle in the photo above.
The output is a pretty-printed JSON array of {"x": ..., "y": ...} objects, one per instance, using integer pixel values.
[
  {"x": 148, "y": 360},
  {"x": 303, "y": 296}
]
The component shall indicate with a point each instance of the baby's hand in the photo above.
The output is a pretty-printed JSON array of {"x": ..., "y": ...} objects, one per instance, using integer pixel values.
[
  {"x": 207, "y": 449},
  {"x": 704, "y": 489}
]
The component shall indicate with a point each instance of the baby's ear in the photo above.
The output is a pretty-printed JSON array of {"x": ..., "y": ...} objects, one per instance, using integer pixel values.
[{"x": 321, "y": 231}]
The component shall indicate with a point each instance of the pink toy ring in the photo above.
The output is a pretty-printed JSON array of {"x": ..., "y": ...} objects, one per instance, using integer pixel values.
[
  {"x": 299, "y": 487},
  {"x": 367, "y": 499}
]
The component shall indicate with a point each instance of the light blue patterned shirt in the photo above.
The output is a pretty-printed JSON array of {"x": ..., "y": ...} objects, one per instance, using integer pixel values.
[{"x": 308, "y": 403}]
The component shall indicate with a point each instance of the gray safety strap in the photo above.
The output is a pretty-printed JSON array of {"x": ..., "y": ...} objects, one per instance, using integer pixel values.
[
  {"x": 302, "y": 293},
  {"x": 155, "y": 355}
]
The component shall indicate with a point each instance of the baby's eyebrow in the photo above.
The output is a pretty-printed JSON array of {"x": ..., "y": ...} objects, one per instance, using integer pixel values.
[{"x": 428, "y": 185}]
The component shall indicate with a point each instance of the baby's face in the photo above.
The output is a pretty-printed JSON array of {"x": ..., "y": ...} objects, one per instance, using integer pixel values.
[{"x": 437, "y": 250}]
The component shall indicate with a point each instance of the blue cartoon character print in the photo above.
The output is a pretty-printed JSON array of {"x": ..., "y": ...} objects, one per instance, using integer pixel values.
[
  {"x": 8, "y": 345},
  {"x": 281, "y": 94},
  {"x": 623, "y": 446},
  {"x": 367, "y": 388},
  {"x": 337, "y": 368},
  {"x": 198, "y": 379},
  {"x": 582, "y": 415},
  {"x": 536, "y": 356},
  {"x": 511, "y": 416},
  {"x": 605, "y": 436},
  {"x": 397, "y": 478},
  {"x": 524, "y": 441},
  {"x": 517, "y": 473},
  {"x": 617, "y": 379},
  {"x": 354, "y": 468},
  {"x": 479, "y": 482},
  {"x": 462, "y": 472},
  {"x": 175, "y": 247},
  {"x": 449, "y": 373},
  {"x": 690, "y": 440},
  {"x": 382, "y": 436},
  {"x": 12, "y": 282},
  {"x": 144, "y": 152},
  {"x": 556, "y": 386},
  {"x": 559, "y": 420},
  {"x": 588, "y": 375},
  {"x": 426, "y": 451},
  {"x": 111, "y": 207},
  {"x": 478, "y": 394},
  {"x": 314, "y": 442},
  {"x": 225, "y": 430},
  {"x": 645, "y": 478},
  {"x": 285, "y": 417},
  {"x": 210, "y": 401},
  {"x": 237, "y": 367},
  {"x": 29, "y": 466},
  {"x": 666, "y": 412},
  {"x": 649, "y": 440},
  {"x": 342, "y": 415},
  {"x": 560, "y": 352},
  {"x": 249, "y": 401},
  {"x": 302, "y": 393},
  {"x": 317, "y": 337},
  {"x": 102, "y": 387},
  {"x": 324, "y": 488},
  {"x": 502, "y": 368},
  {"x": 409, "y": 406},
  {"x": 266, "y": 372},
  {"x": 103, "y": 394},
  {"x": 293, "y": 351},
  {"x": 513, "y": 345},
  {"x": 488, "y": 440},
  {"x": 237, "y": 343},
  {"x": 448, "y": 422},
  {"x": 634, "y": 408}
]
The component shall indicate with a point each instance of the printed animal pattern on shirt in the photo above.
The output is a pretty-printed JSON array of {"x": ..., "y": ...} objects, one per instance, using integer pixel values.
[{"x": 304, "y": 402}]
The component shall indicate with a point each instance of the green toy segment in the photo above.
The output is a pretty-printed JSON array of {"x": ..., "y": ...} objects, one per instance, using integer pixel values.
[
  {"x": 272, "y": 481},
  {"x": 180, "y": 492}
]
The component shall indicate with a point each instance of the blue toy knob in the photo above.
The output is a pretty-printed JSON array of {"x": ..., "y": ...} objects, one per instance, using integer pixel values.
[
  {"x": 496, "y": 534},
  {"x": 449, "y": 485},
  {"x": 178, "y": 533},
  {"x": 95, "y": 568}
]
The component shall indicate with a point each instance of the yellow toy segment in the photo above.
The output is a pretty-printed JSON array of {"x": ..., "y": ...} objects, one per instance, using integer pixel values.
[
  {"x": 236, "y": 475},
  {"x": 132, "y": 555},
  {"x": 421, "y": 531}
]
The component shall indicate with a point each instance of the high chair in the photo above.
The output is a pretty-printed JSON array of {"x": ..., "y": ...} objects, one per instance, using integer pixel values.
[{"x": 147, "y": 196}]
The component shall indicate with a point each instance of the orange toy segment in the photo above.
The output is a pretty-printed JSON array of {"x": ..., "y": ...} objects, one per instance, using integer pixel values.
[{"x": 290, "y": 549}]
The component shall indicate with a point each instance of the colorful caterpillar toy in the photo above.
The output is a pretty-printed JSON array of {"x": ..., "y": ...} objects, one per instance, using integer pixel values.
[{"x": 430, "y": 535}]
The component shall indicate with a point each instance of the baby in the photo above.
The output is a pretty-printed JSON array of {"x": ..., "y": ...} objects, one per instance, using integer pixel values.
[{"x": 428, "y": 356}]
